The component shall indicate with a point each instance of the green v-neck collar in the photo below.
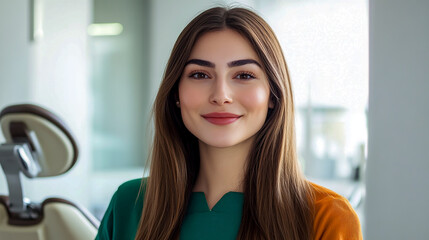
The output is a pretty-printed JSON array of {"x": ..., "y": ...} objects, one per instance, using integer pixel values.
[{"x": 231, "y": 202}]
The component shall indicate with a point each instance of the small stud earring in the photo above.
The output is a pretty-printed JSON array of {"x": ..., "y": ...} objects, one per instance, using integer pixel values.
[{"x": 178, "y": 103}]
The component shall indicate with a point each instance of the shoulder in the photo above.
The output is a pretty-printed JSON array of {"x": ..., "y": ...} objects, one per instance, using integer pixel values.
[
  {"x": 334, "y": 216},
  {"x": 127, "y": 202},
  {"x": 121, "y": 218},
  {"x": 123, "y": 214},
  {"x": 132, "y": 187},
  {"x": 131, "y": 192}
]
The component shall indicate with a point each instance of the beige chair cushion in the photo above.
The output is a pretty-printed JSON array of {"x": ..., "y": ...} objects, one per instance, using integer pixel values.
[{"x": 60, "y": 221}]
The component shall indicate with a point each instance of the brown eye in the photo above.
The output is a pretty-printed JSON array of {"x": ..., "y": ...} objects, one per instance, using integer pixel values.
[
  {"x": 245, "y": 76},
  {"x": 198, "y": 75}
]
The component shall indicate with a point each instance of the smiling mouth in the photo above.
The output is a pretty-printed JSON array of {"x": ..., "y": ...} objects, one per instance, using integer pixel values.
[{"x": 221, "y": 118}]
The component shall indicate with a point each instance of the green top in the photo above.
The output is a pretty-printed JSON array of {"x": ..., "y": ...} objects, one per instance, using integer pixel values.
[{"x": 222, "y": 222}]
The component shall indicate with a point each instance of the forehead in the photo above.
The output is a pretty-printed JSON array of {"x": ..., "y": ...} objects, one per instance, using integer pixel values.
[{"x": 223, "y": 46}]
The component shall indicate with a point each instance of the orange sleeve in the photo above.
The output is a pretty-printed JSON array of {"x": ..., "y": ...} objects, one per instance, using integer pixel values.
[{"x": 335, "y": 218}]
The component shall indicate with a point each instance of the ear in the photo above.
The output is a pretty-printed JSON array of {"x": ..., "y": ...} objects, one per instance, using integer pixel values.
[
  {"x": 271, "y": 104},
  {"x": 177, "y": 99}
]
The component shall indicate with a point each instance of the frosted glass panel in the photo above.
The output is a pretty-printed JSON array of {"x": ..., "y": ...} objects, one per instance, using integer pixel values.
[{"x": 119, "y": 86}]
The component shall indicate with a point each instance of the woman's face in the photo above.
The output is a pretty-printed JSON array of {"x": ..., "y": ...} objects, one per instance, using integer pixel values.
[{"x": 223, "y": 91}]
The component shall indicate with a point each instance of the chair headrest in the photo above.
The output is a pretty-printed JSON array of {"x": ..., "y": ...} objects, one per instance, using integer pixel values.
[{"x": 47, "y": 135}]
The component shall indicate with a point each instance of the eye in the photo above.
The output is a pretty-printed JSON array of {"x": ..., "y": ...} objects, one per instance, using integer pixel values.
[
  {"x": 198, "y": 75},
  {"x": 245, "y": 76}
]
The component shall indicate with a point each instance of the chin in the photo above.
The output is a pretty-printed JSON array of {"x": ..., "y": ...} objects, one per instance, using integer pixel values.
[
  {"x": 225, "y": 142},
  {"x": 219, "y": 143}
]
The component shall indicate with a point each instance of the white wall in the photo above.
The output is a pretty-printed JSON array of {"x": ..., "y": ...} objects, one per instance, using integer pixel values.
[
  {"x": 14, "y": 51},
  {"x": 398, "y": 162}
]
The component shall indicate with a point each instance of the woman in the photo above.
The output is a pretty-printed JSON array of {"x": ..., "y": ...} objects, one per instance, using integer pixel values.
[{"x": 223, "y": 163}]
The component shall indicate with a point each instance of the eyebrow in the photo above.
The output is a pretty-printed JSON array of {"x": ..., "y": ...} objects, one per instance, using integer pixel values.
[
  {"x": 200, "y": 62},
  {"x": 236, "y": 63}
]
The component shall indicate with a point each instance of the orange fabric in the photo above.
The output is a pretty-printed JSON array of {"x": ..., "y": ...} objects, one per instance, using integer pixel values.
[{"x": 335, "y": 218}]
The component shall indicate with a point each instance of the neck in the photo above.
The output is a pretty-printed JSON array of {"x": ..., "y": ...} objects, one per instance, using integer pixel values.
[{"x": 222, "y": 169}]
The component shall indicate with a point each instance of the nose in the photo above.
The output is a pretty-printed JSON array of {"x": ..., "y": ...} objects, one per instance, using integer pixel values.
[{"x": 221, "y": 93}]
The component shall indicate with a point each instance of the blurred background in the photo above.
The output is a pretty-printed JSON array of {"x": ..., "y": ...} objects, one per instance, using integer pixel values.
[{"x": 98, "y": 65}]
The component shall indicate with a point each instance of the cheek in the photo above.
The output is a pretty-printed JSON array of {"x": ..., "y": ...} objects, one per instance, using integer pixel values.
[
  {"x": 256, "y": 98},
  {"x": 189, "y": 95},
  {"x": 188, "y": 98}
]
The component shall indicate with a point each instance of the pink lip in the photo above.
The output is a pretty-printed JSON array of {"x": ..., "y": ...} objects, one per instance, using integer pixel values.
[{"x": 221, "y": 118}]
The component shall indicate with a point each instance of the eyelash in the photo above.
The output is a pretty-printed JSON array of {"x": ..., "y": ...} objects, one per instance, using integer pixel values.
[
  {"x": 249, "y": 74},
  {"x": 192, "y": 74}
]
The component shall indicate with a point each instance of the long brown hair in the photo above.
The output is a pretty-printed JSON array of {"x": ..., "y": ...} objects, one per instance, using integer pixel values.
[{"x": 277, "y": 198}]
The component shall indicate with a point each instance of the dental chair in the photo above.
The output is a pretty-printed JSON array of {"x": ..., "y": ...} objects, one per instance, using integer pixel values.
[{"x": 38, "y": 144}]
